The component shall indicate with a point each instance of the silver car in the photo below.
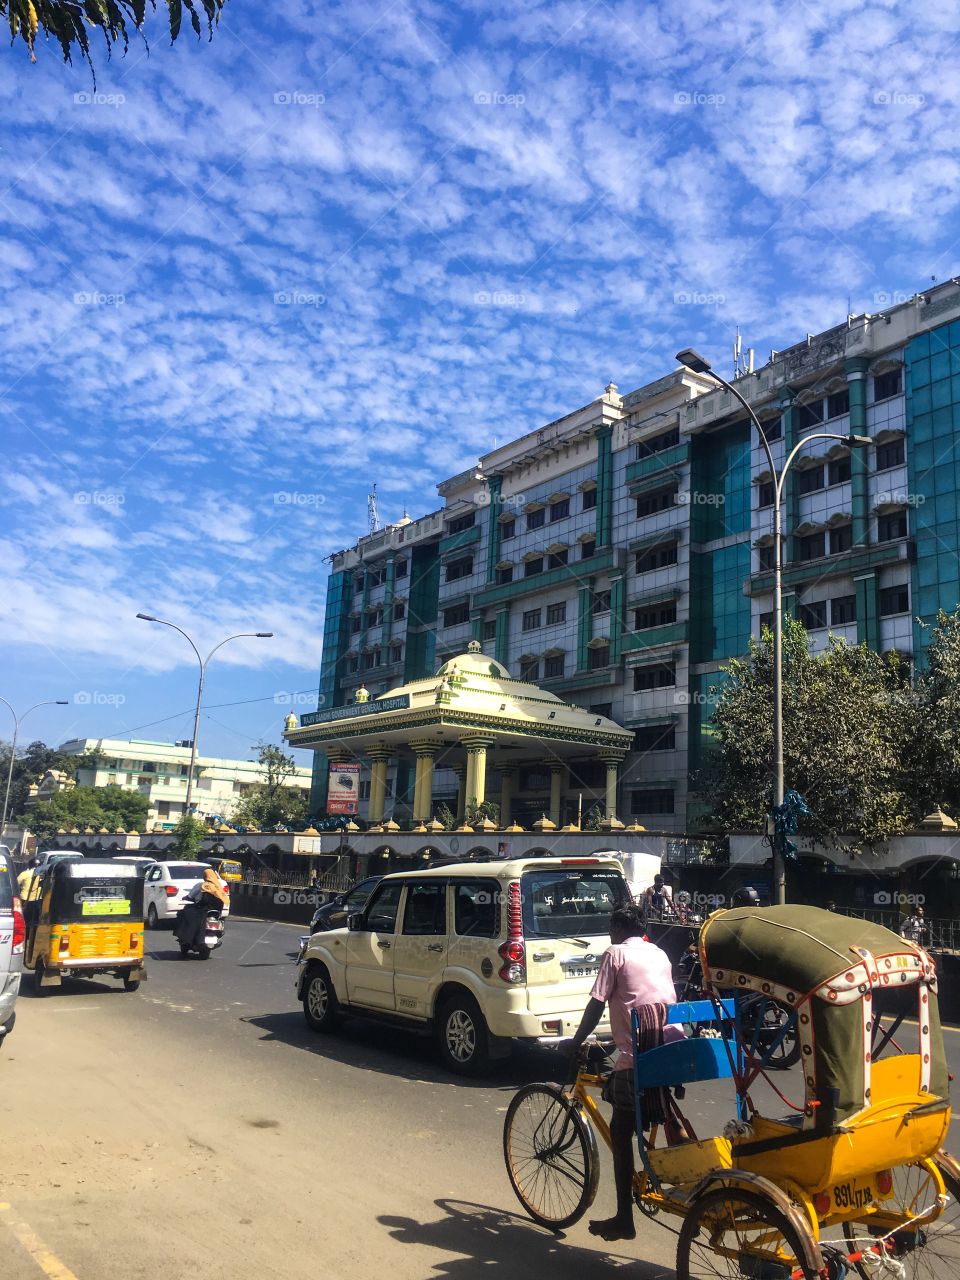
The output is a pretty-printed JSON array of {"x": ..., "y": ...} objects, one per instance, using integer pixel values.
[{"x": 12, "y": 936}]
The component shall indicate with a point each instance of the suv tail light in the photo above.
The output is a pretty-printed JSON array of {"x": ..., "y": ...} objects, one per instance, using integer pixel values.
[
  {"x": 171, "y": 890},
  {"x": 19, "y": 928},
  {"x": 513, "y": 952}
]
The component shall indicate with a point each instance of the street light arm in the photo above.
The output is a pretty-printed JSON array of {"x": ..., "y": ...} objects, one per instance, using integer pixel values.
[
  {"x": 241, "y": 635},
  {"x": 815, "y": 435},
  {"x": 164, "y": 623}
]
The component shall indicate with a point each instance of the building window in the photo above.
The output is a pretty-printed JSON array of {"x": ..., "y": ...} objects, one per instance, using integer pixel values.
[
  {"x": 841, "y": 539},
  {"x": 358, "y": 586},
  {"x": 355, "y": 624},
  {"x": 400, "y": 569},
  {"x": 371, "y": 659},
  {"x": 839, "y": 470},
  {"x": 599, "y": 657},
  {"x": 810, "y": 414},
  {"x": 504, "y": 575},
  {"x": 655, "y": 615},
  {"x": 530, "y": 670},
  {"x": 556, "y": 613},
  {"x": 843, "y": 609},
  {"x": 766, "y": 621},
  {"x": 365, "y": 789},
  {"x": 490, "y": 630},
  {"x": 810, "y": 479},
  {"x": 890, "y": 455},
  {"x": 508, "y": 530},
  {"x": 461, "y": 568},
  {"x": 559, "y": 510},
  {"x": 457, "y": 614},
  {"x": 375, "y": 617},
  {"x": 602, "y": 709},
  {"x": 534, "y": 780},
  {"x": 811, "y": 547},
  {"x": 765, "y": 556},
  {"x": 588, "y": 548},
  {"x": 655, "y": 737},
  {"x": 660, "y": 675},
  {"x": 353, "y": 665},
  {"x": 558, "y": 558},
  {"x": 773, "y": 429},
  {"x": 657, "y": 444},
  {"x": 886, "y": 385},
  {"x": 648, "y": 504},
  {"x": 658, "y": 557},
  {"x": 838, "y": 404},
  {"x": 891, "y": 526},
  {"x": 589, "y": 499},
  {"x": 531, "y": 620},
  {"x": 462, "y": 522},
  {"x": 553, "y": 667},
  {"x": 396, "y": 652},
  {"x": 399, "y": 611},
  {"x": 813, "y": 614},
  {"x": 376, "y": 577},
  {"x": 535, "y": 519},
  {"x": 894, "y": 600},
  {"x": 533, "y": 567},
  {"x": 652, "y": 800},
  {"x": 601, "y": 602},
  {"x": 766, "y": 494}
]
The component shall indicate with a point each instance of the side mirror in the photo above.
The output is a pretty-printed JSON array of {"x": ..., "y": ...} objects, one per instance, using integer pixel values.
[
  {"x": 355, "y": 922},
  {"x": 340, "y": 899}
]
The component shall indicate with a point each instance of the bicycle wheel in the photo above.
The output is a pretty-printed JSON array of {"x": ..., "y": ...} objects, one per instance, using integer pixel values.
[
  {"x": 739, "y": 1234},
  {"x": 551, "y": 1155},
  {"x": 925, "y": 1251},
  {"x": 763, "y": 1023}
]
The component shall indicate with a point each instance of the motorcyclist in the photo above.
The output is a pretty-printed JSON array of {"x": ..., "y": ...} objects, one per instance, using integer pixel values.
[
  {"x": 745, "y": 897},
  {"x": 205, "y": 896}
]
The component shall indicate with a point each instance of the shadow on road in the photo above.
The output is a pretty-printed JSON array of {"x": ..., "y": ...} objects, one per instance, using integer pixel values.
[
  {"x": 394, "y": 1051},
  {"x": 492, "y": 1237},
  {"x": 69, "y": 987}
]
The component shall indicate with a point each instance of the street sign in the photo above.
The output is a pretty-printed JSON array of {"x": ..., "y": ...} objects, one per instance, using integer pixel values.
[{"x": 343, "y": 789}]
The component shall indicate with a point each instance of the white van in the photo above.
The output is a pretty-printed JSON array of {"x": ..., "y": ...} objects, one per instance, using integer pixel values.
[
  {"x": 479, "y": 953},
  {"x": 12, "y": 936}
]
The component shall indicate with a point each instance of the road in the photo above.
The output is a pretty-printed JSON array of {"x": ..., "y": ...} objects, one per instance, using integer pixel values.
[{"x": 199, "y": 1128}]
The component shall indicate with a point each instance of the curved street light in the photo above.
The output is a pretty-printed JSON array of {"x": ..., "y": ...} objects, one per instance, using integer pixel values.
[
  {"x": 697, "y": 364},
  {"x": 17, "y": 720},
  {"x": 240, "y": 635}
]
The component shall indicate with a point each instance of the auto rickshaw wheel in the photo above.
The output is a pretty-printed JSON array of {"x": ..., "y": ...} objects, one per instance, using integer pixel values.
[
  {"x": 39, "y": 972},
  {"x": 729, "y": 1234},
  {"x": 130, "y": 983}
]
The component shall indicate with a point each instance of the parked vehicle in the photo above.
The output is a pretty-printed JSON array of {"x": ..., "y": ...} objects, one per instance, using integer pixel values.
[
  {"x": 131, "y": 860},
  {"x": 12, "y": 935},
  {"x": 166, "y": 886},
  {"x": 88, "y": 920},
  {"x": 227, "y": 869},
  {"x": 479, "y": 954},
  {"x": 210, "y": 939},
  {"x": 334, "y": 914},
  {"x": 53, "y": 856}
]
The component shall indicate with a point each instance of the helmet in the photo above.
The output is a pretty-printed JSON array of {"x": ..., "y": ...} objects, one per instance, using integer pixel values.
[{"x": 745, "y": 897}]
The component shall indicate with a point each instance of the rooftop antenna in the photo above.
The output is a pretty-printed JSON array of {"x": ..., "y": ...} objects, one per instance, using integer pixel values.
[
  {"x": 373, "y": 514},
  {"x": 742, "y": 365}
]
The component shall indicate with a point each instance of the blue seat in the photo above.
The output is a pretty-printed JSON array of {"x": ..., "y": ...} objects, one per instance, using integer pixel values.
[{"x": 684, "y": 1062}]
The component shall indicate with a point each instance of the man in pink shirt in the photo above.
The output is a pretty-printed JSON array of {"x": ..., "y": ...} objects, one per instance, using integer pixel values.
[{"x": 633, "y": 973}]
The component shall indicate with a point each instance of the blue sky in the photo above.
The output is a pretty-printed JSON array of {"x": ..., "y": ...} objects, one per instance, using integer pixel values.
[{"x": 353, "y": 243}]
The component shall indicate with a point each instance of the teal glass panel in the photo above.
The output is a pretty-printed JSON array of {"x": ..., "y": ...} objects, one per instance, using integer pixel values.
[{"x": 920, "y": 374}]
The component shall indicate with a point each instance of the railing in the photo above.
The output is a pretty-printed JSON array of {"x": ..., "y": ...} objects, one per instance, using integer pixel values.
[{"x": 938, "y": 934}]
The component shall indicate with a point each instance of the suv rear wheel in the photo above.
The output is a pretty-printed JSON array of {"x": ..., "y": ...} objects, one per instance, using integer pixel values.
[{"x": 462, "y": 1034}]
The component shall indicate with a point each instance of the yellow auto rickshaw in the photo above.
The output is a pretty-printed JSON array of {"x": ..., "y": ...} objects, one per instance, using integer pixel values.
[
  {"x": 227, "y": 869},
  {"x": 87, "y": 920}
]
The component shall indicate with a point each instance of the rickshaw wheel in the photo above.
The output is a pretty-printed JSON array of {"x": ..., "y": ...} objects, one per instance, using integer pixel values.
[
  {"x": 130, "y": 984},
  {"x": 933, "y": 1249},
  {"x": 551, "y": 1156},
  {"x": 39, "y": 972},
  {"x": 739, "y": 1234}
]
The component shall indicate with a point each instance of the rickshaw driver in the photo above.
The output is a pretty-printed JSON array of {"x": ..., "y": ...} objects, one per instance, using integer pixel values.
[{"x": 634, "y": 974}]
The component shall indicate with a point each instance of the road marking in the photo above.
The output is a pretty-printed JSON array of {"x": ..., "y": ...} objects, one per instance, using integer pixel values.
[{"x": 48, "y": 1262}]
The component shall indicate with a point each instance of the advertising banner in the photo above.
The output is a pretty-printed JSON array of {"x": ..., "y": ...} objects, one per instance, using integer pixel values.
[{"x": 343, "y": 789}]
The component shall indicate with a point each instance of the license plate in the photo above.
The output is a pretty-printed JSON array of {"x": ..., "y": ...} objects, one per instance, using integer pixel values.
[
  {"x": 582, "y": 971},
  {"x": 853, "y": 1195}
]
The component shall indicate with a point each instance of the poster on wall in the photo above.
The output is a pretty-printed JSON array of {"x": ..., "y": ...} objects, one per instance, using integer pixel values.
[{"x": 343, "y": 789}]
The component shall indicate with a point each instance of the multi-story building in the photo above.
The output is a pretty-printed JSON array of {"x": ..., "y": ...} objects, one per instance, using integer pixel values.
[
  {"x": 159, "y": 770},
  {"x": 621, "y": 554}
]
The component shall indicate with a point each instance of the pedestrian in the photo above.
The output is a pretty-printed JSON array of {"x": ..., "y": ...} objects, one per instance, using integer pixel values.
[
  {"x": 914, "y": 928},
  {"x": 29, "y": 884},
  {"x": 634, "y": 974},
  {"x": 658, "y": 898}
]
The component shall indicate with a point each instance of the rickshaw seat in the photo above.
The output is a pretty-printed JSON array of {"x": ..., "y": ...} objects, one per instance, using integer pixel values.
[
  {"x": 698, "y": 1011},
  {"x": 684, "y": 1062}
]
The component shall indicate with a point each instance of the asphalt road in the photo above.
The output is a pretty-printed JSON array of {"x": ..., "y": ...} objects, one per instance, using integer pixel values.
[{"x": 199, "y": 1128}]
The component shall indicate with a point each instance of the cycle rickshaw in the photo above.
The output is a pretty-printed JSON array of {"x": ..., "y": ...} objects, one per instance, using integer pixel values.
[{"x": 855, "y": 1178}]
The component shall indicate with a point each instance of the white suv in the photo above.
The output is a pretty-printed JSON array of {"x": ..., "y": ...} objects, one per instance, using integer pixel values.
[
  {"x": 12, "y": 935},
  {"x": 166, "y": 886},
  {"x": 480, "y": 953}
]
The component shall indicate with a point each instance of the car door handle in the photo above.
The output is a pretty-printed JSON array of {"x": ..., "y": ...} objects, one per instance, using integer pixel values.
[
  {"x": 435, "y": 946},
  {"x": 384, "y": 944},
  {"x": 543, "y": 955}
]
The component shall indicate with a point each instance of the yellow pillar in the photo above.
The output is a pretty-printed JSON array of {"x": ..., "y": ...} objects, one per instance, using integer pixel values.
[
  {"x": 610, "y": 800},
  {"x": 556, "y": 777},
  {"x": 423, "y": 787},
  {"x": 380, "y": 758},
  {"x": 506, "y": 796},
  {"x": 469, "y": 785},
  {"x": 476, "y": 787}
]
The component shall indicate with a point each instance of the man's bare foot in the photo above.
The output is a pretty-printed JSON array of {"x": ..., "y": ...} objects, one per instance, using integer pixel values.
[{"x": 612, "y": 1229}]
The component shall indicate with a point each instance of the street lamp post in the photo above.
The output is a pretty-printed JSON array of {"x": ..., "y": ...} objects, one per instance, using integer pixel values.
[
  {"x": 697, "y": 364},
  {"x": 202, "y": 662},
  {"x": 17, "y": 720}
]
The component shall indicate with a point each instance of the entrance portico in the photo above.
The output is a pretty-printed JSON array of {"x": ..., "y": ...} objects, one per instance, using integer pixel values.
[{"x": 473, "y": 718}]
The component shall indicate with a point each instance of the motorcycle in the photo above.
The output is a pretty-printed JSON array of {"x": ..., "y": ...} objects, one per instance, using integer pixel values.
[{"x": 210, "y": 938}]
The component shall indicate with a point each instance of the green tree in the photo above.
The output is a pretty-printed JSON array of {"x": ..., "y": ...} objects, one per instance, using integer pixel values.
[
  {"x": 933, "y": 755},
  {"x": 70, "y": 22},
  {"x": 188, "y": 837},
  {"x": 95, "y": 807},
  {"x": 847, "y": 714},
  {"x": 272, "y": 803}
]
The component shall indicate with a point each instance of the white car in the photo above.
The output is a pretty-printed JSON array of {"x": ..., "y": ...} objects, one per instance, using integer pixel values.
[
  {"x": 166, "y": 886},
  {"x": 12, "y": 935}
]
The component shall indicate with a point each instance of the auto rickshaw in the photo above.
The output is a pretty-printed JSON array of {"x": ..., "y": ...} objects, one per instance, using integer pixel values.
[
  {"x": 854, "y": 1178},
  {"x": 87, "y": 920},
  {"x": 227, "y": 869}
]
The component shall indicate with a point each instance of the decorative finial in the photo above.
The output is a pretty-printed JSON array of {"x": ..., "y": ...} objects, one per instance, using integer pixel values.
[
  {"x": 290, "y": 722},
  {"x": 362, "y": 694},
  {"x": 474, "y": 647}
]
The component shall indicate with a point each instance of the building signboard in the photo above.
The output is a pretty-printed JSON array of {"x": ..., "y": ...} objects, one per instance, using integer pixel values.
[
  {"x": 376, "y": 706},
  {"x": 343, "y": 789}
]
